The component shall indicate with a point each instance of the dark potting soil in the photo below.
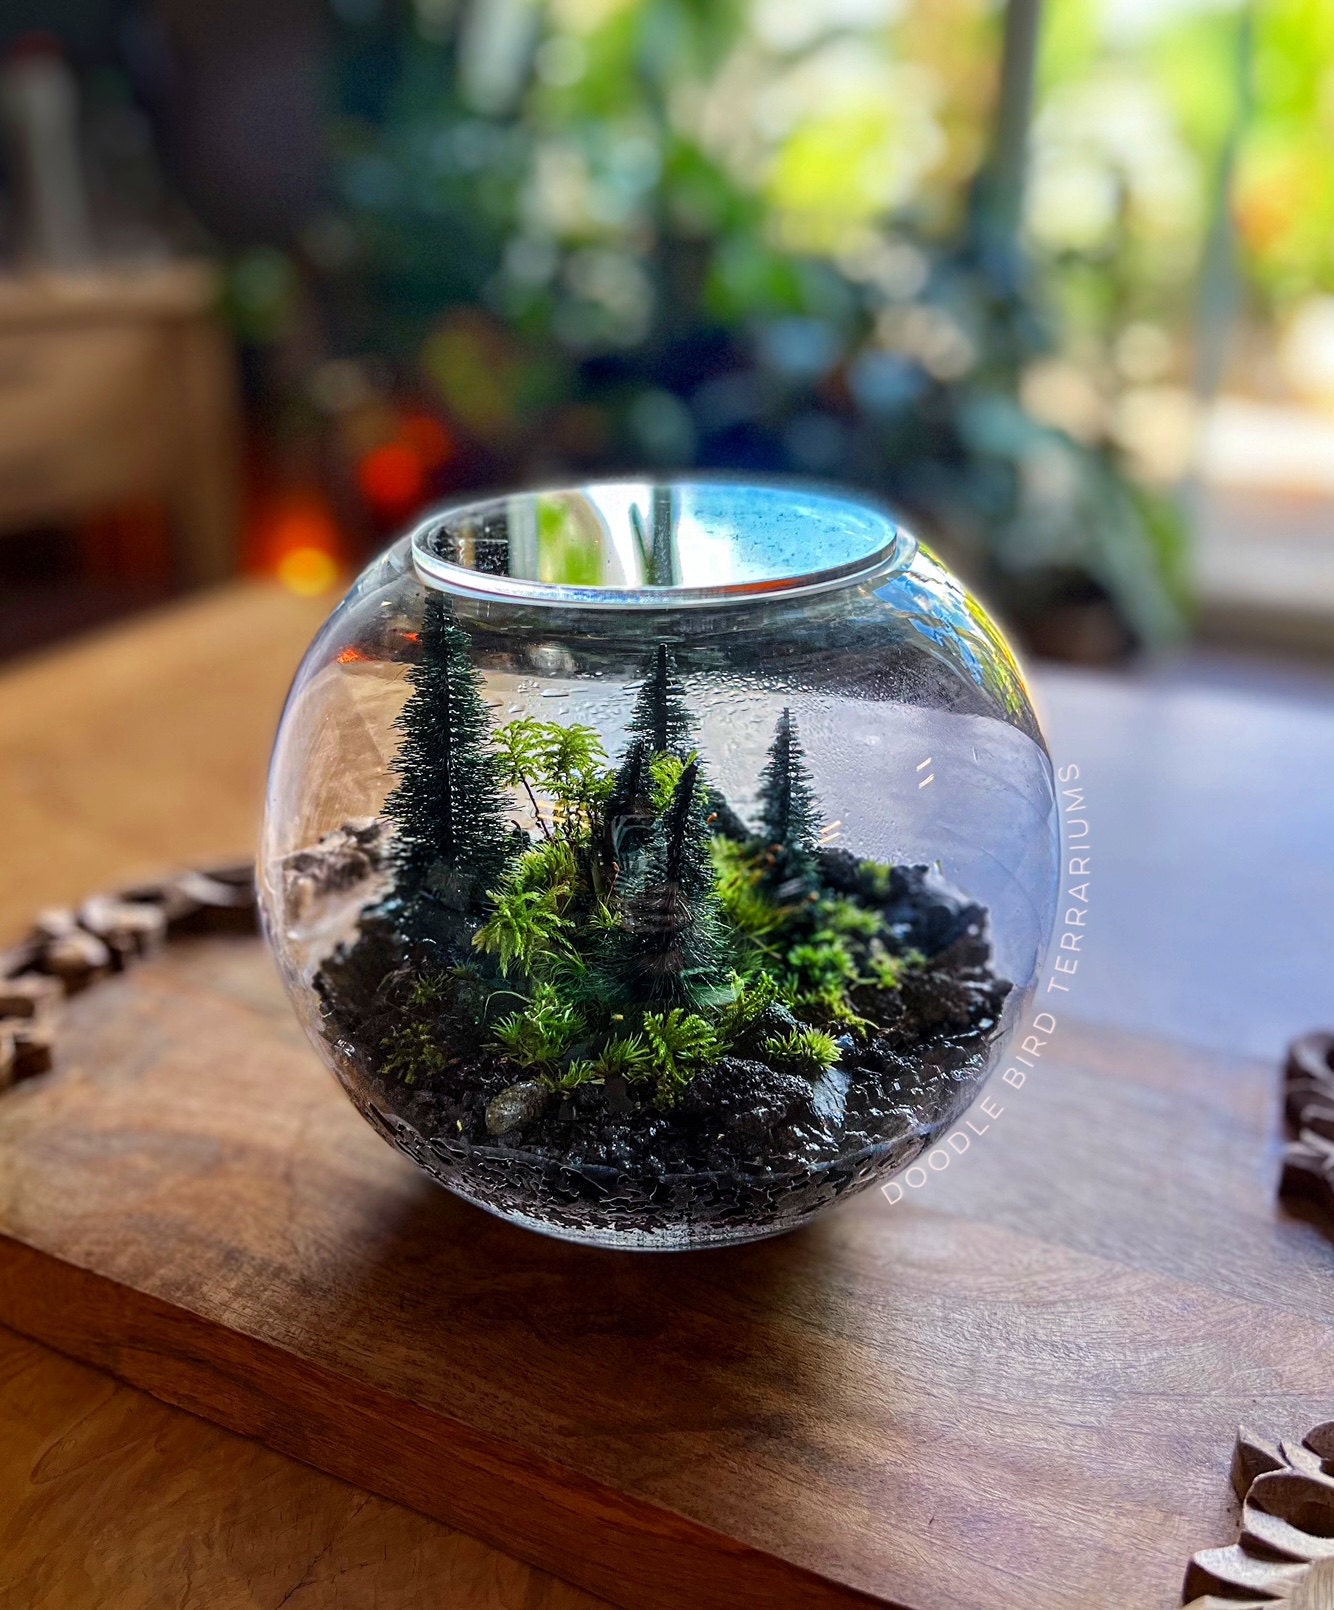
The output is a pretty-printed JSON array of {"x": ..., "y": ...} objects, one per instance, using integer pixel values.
[{"x": 747, "y": 1146}]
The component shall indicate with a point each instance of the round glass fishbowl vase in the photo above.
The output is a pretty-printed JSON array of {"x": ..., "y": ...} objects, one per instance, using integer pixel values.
[{"x": 657, "y": 864}]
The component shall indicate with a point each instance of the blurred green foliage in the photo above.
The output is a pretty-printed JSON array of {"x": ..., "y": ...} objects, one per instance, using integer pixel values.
[{"x": 604, "y": 234}]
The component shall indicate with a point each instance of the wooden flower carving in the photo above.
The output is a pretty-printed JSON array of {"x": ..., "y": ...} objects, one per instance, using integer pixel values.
[
  {"x": 1308, "y": 1104},
  {"x": 1286, "y": 1549}
]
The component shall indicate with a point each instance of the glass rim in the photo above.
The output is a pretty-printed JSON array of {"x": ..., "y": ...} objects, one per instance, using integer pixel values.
[{"x": 888, "y": 549}]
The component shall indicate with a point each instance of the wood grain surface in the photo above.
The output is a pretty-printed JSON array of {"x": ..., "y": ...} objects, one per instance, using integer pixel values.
[
  {"x": 1018, "y": 1387},
  {"x": 112, "y": 1499}
]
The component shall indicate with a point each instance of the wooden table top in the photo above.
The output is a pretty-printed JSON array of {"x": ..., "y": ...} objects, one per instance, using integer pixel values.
[
  {"x": 143, "y": 747},
  {"x": 147, "y": 746}
]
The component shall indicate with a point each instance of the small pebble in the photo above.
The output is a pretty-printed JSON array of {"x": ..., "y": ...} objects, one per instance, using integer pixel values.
[{"x": 515, "y": 1106}]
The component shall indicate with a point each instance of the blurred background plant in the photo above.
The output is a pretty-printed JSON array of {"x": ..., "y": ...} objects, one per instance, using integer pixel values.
[{"x": 987, "y": 264}]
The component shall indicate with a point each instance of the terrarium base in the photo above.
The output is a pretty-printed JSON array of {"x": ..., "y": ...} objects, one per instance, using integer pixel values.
[{"x": 1019, "y": 1384}]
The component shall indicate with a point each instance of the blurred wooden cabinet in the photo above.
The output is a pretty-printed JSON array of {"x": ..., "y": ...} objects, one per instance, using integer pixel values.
[{"x": 117, "y": 387}]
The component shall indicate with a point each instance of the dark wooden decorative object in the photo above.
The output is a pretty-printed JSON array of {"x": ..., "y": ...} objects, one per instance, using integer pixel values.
[
  {"x": 1008, "y": 1389},
  {"x": 66, "y": 951},
  {"x": 1286, "y": 1549},
  {"x": 1308, "y": 1106}
]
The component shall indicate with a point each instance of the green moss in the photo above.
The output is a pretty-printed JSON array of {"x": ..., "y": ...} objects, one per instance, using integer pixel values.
[
  {"x": 629, "y": 1058},
  {"x": 540, "y": 1035},
  {"x": 576, "y": 1074},
  {"x": 526, "y": 930},
  {"x": 832, "y": 1007},
  {"x": 740, "y": 873},
  {"x": 432, "y": 991},
  {"x": 808, "y": 1051},
  {"x": 821, "y": 962},
  {"x": 840, "y": 915},
  {"x": 680, "y": 1043},
  {"x": 412, "y": 1053},
  {"x": 875, "y": 878},
  {"x": 887, "y": 971},
  {"x": 753, "y": 996}
]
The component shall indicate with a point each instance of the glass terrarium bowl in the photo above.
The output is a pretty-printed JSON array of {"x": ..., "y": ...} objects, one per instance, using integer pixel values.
[{"x": 657, "y": 864}]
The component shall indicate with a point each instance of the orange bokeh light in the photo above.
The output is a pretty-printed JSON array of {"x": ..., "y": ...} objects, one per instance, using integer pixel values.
[
  {"x": 429, "y": 439},
  {"x": 297, "y": 540},
  {"x": 392, "y": 478}
]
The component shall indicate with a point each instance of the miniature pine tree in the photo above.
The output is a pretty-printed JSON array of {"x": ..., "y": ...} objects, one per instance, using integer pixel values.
[
  {"x": 672, "y": 949},
  {"x": 789, "y": 810},
  {"x": 629, "y": 809},
  {"x": 452, "y": 836},
  {"x": 660, "y": 715}
]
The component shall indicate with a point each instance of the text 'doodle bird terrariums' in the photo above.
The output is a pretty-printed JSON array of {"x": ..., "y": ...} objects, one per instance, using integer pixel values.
[{"x": 656, "y": 865}]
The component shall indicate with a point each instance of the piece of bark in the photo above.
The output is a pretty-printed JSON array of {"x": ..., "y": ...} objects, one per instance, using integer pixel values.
[
  {"x": 76, "y": 958},
  {"x": 343, "y": 859},
  {"x": 29, "y": 995},
  {"x": 1320, "y": 1440},
  {"x": 1298, "y": 1456},
  {"x": 1228, "y": 1570},
  {"x": 1318, "y": 1120},
  {"x": 68, "y": 950}
]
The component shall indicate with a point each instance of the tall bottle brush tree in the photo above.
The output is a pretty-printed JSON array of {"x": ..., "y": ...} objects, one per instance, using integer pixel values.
[
  {"x": 660, "y": 716},
  {"x": 789, "y": 811},
  {"x": 452, "y": 840},
  {"x": 672, "y": 950},
  {"x": 629, "y": 813}
]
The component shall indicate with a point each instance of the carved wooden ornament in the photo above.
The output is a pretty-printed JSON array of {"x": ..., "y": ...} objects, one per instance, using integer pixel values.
[
  {"x": 67, "y": 950},
  {"x": 1308, "y": 1105},
  {"x": 1286, "y": 1550}
]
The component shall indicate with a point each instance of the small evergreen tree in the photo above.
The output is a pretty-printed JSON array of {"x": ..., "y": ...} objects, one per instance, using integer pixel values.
[
  {"x": 629, "y": 811},
  {"x": 660, "y": 715},
  {"x": 789, "y": 811},
  {"x": 452, "y": 839},
  {"x": 672, "y": 948}
]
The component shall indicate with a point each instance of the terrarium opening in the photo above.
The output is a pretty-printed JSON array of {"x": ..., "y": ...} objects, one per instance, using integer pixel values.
[{"x": 637, "y": 544}]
